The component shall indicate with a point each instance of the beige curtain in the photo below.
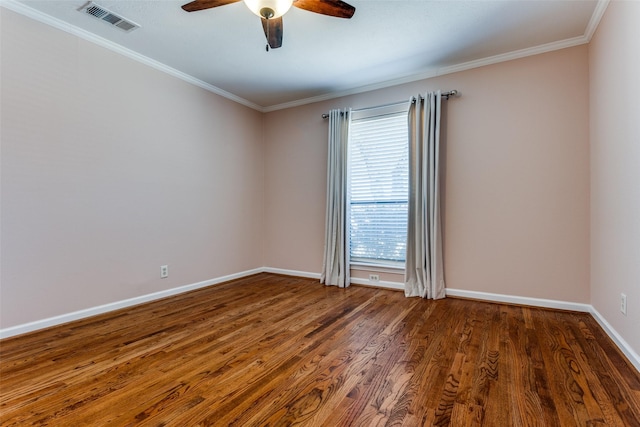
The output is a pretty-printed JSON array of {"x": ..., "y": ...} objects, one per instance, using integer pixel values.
[
  {"x": 335, "y": 266},
  {"x": 424, "y": 273}
]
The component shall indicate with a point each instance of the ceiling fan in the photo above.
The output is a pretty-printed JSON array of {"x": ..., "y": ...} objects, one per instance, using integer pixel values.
[{"x": 271, "y": 11}]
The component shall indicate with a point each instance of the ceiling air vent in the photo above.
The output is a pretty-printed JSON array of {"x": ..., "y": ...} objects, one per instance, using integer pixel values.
[{"x": 109, "y": 17}]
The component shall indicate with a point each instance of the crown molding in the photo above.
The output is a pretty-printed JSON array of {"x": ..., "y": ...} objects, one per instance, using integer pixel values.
[
  {"x": 434, "y": 72},
  {"x": 598, "y": 12},
  {"x": 601, "y": 7},
  {"x": 517, "y": 54},
  {"x": 107, "y": 44}
]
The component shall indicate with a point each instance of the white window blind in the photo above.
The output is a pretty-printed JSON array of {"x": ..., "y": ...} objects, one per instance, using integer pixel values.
[{"x": 378, "y": 185}]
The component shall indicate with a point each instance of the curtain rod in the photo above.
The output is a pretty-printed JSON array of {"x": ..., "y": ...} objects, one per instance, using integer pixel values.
[{"x": 445, "y": 95}]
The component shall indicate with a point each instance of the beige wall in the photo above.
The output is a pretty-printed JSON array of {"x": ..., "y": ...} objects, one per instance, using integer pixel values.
[
  {"x": 517, "y": 177},
  {"x": 614, "y": 65},
  {"x": 111, "y": 169}
]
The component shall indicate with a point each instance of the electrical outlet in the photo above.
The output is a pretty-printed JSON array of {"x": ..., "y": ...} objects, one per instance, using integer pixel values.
[
  {"x": 164, "y": 271},
  {"x": 623, "y": 304},
  {"x": 374, "y": 277}
]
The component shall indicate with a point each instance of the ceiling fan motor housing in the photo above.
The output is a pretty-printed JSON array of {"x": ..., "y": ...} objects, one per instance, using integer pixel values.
[
  {"x": 267, "y": 13},
  {"x": 269, "y": 9}
]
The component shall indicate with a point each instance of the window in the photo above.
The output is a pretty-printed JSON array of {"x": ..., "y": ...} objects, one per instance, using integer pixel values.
[{"x": 378, "y": 185}]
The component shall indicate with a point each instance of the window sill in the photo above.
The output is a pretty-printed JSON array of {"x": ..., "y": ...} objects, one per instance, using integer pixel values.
[{"x": 376, "y": 267}]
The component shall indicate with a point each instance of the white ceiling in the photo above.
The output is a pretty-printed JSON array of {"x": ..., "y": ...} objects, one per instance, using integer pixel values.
[{"x": 386, "y": 42}]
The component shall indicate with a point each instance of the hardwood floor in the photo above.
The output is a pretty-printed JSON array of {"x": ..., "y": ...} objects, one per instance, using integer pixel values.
[{"x": 274, "y": 350}]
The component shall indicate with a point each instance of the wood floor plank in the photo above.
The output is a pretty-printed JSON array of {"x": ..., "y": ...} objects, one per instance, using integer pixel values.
[
  {"x": 337, "y": 355},
  {"x": 279, "y": 351}
]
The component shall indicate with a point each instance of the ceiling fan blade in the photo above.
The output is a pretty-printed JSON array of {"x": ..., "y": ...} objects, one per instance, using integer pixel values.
[
  {"x": 336, "y": 8},
  {"x": 273, "y": 31},
  {"x": 205, "y": 4}
]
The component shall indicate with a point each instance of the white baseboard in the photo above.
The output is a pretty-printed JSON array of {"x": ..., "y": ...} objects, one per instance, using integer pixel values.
[
  {"x": 379, "y": 284},
  {"x": 633, "y": 357},
  {"x": 291, "y": 272},
  {"x": 511, "y": 299},
  {"x": 88, "y": 312},
  {"x": 355, "y": 281},
  {"x": 484, "y": 296}
]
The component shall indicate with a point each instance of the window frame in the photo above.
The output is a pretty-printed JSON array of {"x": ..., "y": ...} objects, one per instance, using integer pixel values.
[{"x": 360, "y": 263}]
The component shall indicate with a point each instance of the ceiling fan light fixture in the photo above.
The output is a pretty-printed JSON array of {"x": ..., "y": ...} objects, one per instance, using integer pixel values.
[{"x": 269, "y": 9}]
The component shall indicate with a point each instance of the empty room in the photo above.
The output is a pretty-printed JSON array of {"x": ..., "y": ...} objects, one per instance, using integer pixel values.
[{"x": 320, "y": 213}]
